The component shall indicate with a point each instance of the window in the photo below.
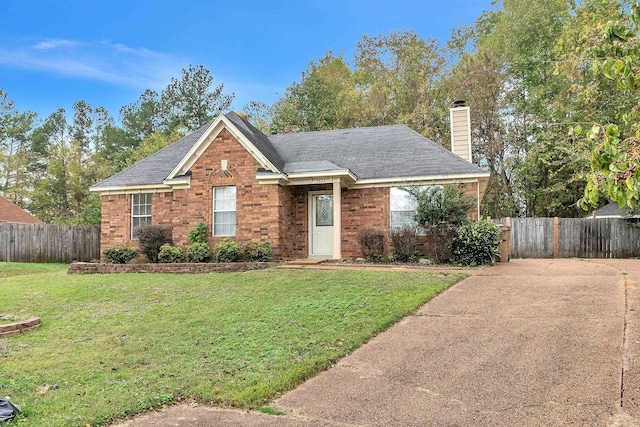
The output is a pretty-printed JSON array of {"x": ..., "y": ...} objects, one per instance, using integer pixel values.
[
  {"x": 140, "y": 211},
  {"x": 403, "y": 208},
  {"x": 404, "y": 205},
  {"x": 224, "y": 211}
]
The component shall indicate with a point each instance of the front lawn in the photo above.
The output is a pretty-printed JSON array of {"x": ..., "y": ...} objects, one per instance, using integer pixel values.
[{"x": 113, "y": 345}]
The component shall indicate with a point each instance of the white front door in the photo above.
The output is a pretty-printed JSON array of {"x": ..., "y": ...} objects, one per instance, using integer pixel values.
[{"x": 321, "y": 225}]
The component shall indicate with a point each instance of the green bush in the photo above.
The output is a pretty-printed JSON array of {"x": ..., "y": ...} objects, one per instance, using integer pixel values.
[
  {"x": 120, "y": 254},
  {"x": 441, "y": 236},
  {"x": 198, "y": 252},
  {"x": 437, "y": 204},
  {"x": 405, "y": 243},
  {"x": 372, "y": 243},
  {"x": 227, "y": 251},
  {"x": 255, "y": 251},
  {"x": 170, "y": 254},
  {"x": 151, "y": 238},
  {"x": 198, "y": 234},
  {"x": 476, "y": 243}
]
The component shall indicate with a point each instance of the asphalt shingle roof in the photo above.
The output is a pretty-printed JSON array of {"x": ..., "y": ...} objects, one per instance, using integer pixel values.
[
  {"x": 613, "y": 209},
  {"x": 257, "y": 138},
  {"x": 157, "y": 167},
  {"x": 373, "y": 152}
]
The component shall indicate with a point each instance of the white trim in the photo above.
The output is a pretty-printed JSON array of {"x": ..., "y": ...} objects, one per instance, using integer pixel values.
[
  {"x": 179, "y": 182},
  {"x": 307, "y": 178},
  {"x": 337, "y": 220},
  {"x": 310, "y": 213},
  {"x": 213, "y": 210},
  {"x": 478, "y": 200},
  {"x": 133, "y": 189},
  {"x": 220, "y": 123},
  {"x": 419, "y": 180},
  {"x": 132, "y": 216},
  {"x": 322, "y": 174}
]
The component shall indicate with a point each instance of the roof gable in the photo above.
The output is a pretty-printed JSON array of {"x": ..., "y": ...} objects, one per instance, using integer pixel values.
[
  {"x": 175, "y": 160},
  {"x": 254, "y": 141}
]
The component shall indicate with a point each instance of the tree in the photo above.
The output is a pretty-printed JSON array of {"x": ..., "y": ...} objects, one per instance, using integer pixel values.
[
  {"x": 441, "y": 203},
  {"x": 188, "y": 103},
  {"x": 398, "y": 77},
  {"x": 320, "y": 101},
  {"x": 258, "y": 114},
  {"x": 479, "y": 79},
  {"x": 142, "y": 118},
  {"x": 441, "y": 210},
  {"x": 66, "y": 164},
  {"x": 15, "y": 128},
  {"x": 615, "y": 160},
  {"x": 528, "y": 75},
  {"x": 191, "y": 101}
]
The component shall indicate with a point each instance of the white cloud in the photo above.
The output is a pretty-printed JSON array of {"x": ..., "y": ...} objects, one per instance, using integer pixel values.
[
  {"x": 54, "y": 43},
  {"x": 105, "y": 61}
]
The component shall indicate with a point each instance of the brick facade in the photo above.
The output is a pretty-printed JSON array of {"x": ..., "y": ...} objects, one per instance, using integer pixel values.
[{"x": 266, "y": 212}]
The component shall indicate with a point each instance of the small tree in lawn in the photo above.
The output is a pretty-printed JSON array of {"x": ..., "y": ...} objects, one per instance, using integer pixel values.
[{"x": 441, "y": 209}]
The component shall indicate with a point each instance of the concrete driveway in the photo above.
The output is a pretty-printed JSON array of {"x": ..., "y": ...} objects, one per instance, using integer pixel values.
[{"x": 534, "y": 342}]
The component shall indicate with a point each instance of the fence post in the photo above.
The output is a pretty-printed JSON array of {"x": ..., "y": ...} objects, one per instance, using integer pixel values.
[{"x": 556, "y": 237}]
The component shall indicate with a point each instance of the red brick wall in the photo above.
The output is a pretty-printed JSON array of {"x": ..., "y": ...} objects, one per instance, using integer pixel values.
[
  {"x": 362, "y": 209},
  {"x": 116, "y": 221},
  {"x": 259, "y": 208}
]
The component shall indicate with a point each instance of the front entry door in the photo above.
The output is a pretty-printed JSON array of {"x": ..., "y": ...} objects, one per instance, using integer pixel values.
[{"x": 321, "y": 220}]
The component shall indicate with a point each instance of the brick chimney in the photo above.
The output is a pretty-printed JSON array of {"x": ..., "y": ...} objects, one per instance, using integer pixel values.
[{"x": 460, "y": 116}]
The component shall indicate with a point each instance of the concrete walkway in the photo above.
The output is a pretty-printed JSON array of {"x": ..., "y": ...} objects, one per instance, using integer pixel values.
[{"x": 534, "y": 342}]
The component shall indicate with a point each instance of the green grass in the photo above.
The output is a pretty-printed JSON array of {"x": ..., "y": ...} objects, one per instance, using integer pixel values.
[
  {"x": 120, "y": 344},
  {"x": 9, "y": 269}
]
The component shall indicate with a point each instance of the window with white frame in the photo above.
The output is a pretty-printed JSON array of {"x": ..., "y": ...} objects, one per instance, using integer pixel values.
[
  {"x": 403, "y": 205},
  {"x": 224, "y": 211},
  {"x": 140, "y": 211}
]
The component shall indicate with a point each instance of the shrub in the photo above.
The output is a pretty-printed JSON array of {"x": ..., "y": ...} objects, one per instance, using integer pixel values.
[
  {"x": 372, "y": 243},
  {"x": 170, "y": 254},
  {"x": 437, "y": 204},
  {"x": 255, "y": 251},
  {"x": 151, "y": 238},
  {"x": 198, "y": 252},
  {"x": 120, "y": 254},
  {"x": 198, "y": 234},
  {"x": 442, "y": 236},
  {"x": 228, "y": 251},
  {"x": 476, "y": 243},
  {"x": 405, "y": 242}
]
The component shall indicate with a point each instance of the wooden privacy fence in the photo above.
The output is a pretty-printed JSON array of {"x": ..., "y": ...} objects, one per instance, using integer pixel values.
[
  {"x": 574, "y": 237},
  {"x": 48, "y": 243}
]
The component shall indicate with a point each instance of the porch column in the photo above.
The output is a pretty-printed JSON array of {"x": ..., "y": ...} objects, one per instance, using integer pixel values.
[{"x": 337, "y": 220}]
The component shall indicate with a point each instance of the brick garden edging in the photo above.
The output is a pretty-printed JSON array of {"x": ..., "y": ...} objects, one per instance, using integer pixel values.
[
  {"x": 19, "y": 327},
  {"x": 178, "y": 268}
]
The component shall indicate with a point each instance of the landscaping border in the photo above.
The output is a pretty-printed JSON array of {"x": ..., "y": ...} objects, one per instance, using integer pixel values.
[
  {"x": 177, "y": 268},
  {"x": 19, "y": 327}
]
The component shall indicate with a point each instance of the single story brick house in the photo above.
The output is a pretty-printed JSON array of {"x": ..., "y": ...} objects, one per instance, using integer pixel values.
[{"x": 307, "y": 193}]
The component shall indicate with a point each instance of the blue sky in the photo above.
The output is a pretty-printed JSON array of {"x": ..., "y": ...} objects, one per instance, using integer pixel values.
[{"x": 53, "y": 53}]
